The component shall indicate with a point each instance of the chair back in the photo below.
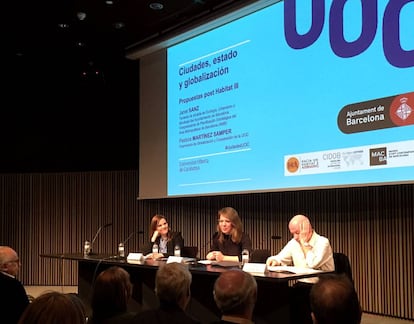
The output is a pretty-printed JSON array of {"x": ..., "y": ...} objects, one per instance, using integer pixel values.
[
  {"x": 189, "y": 251},
  {"x": 259, "y": 255},
  {"x": 342, "y": 265}
]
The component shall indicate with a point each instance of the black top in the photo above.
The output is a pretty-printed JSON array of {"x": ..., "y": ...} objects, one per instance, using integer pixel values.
[
  {"x": 228, "y": 247},
  {"x": 13, "y": 299},
  {"x": 176, "y": 239},
  {"x": 122, "y": 318},
  {"x": 223, "y": 322},
  {"x": 168, "y": 314}
]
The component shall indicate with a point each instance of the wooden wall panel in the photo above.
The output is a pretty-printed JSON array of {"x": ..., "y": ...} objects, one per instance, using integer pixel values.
[{"x": 55, "y": 213}]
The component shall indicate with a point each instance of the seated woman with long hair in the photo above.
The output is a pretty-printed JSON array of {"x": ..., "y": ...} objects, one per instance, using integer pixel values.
[
  {"x": 162, "y": 235},
  {"x": 229, "y": 241}
]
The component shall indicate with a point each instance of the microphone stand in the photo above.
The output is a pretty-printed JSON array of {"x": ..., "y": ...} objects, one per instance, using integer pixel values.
[
  {"x": 121, "y": 246},
  {"x": 96, "y": 236},
  {"x": 204, "y": 246}
]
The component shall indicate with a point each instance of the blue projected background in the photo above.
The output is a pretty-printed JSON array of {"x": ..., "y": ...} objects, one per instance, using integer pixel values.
[{"x": 249, "y": 112}]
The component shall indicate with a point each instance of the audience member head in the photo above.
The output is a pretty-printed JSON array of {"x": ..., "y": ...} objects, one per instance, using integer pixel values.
[
  {"x": 111, "y": 293},
  {"x": 9, "y": 260},
  {"x": 235, "y": 293},
  {"x": 55, "y": 307},
  {"x": 229, "y": 223},
  {"x": 333, "y": 300},
  {"x": 172, "y": 284},
  {"x": 301, "y": 228}
]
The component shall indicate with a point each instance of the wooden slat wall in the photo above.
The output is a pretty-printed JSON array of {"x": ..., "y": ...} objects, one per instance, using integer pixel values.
[{"x": 55, "y": 213}]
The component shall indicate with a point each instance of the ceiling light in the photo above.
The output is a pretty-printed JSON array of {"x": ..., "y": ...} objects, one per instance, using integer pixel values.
[
  {"x": 119, "y": 25},
  {"x": 156, "y": 6},
  {"x": 109, "y": 2},
  {"x": 81, "y": 15}
]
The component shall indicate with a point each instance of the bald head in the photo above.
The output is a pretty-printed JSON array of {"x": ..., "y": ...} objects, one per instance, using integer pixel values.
[
  {"x": 297, "y": 220},
  {"x": 5, "y": 253},
  {"x": 9, "y": 260},
  {"x": 300, "y": 228},
  {"x": 333, "y": 300},
  {"x": 235, "y": 293}
]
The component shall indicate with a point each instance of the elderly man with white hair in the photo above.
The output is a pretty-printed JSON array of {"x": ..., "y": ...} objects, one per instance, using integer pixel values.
[
  {"x": 13, "y": 297},
  {"x": 306, "y": 249}
]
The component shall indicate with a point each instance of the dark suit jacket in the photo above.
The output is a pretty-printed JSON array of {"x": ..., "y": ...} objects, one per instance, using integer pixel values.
[
  {"x": 122, "y": 318},
  {"x": 222, "y": 322},
  {"x": 176, "y": 239},
  {"x": 13, "y": 299},
  {"x": 168, "y": 314}
]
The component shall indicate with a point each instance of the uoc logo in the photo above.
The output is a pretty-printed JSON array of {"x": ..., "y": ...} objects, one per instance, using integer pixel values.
[{"x": 391, "y": 42}]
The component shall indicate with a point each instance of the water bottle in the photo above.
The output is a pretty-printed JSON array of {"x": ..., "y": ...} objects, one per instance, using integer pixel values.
[
  {"x": 155, "y": 248},
  {"x": 87, "y": 248},
  {"x": 177, "y": 251},
  {"x": 245, "y": 257},
  {"x": 121, "y": 250}
]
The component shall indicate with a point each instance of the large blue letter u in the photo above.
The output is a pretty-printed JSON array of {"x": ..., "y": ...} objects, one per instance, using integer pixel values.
[
  {"x": 292, "y": 37},
  {"x": 393, "y": 51}
]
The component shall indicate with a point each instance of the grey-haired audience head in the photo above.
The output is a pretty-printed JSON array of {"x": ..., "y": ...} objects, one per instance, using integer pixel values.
[
  {"x": 235, "y": 293},
  {"x": 9, "y": 260},
  {"x": 333, "y": 300},
  {"x": 172, "y": 284}
]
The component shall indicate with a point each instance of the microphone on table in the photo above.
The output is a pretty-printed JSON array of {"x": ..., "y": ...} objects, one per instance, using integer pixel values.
[
  {"x": 96, "y": 236},
  {"x": 121, "y": 246}
]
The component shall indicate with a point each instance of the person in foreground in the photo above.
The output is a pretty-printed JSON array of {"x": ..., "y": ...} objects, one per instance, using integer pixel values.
[
  {"x": 172, "y": 287},
  {"x": 164, "y": 237},
  {"x": 333, "y": 300},
  {"x": 55, "y": 307},
  {"x": 307, "y": 249},
  {"x": 229, "y": 240},
  {"x": 13, "y": 297},
  {"x": 235, "y": 294},
  {"x": 111, "y": 293}
]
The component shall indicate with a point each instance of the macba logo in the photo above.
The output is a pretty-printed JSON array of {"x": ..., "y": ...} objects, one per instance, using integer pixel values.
[{"x": 378, "y": 156}]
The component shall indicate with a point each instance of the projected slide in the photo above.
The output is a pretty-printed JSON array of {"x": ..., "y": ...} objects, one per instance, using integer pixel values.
[{"x": 273, "y": 101}]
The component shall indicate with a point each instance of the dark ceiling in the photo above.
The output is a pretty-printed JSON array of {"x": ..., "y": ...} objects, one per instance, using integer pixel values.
[
  {"x": 92, "y": 34},
  {"x": 70, "y": 95}
]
